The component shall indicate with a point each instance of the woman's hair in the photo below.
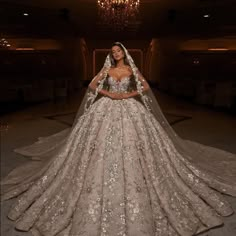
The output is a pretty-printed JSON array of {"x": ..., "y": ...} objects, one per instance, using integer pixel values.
[
  {"x": 113, "y": 61},
  {"x": 132, "y": 86}
]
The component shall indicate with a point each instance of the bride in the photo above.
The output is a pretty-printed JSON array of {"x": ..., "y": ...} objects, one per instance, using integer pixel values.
[{"x": 121, "y": 170}]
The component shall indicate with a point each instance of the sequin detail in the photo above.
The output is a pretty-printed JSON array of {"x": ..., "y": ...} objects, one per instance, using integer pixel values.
[{"x": 118, "y": 174}]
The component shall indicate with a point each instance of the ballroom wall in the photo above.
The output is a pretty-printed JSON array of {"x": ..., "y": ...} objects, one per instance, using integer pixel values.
[
  {"x": 36, "y": 70},
  {"x": 60, "y": 67},
  {"x": 200, "y": 70}
]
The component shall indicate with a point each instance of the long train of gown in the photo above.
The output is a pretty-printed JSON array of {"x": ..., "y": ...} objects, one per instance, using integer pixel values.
[{"x": 118, "y": 173}]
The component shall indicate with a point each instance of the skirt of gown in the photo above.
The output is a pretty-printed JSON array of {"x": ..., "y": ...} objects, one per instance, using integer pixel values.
[{"x": 117, "y": 173}]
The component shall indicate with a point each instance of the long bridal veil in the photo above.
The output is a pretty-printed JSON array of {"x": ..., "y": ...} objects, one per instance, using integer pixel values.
[{"x": 216, "y": 167}]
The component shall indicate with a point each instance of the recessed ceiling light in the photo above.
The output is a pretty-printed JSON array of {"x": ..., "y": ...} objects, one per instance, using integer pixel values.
[
  {"x": 206, "y": 15},
  {"x": 25, "y": 14}
]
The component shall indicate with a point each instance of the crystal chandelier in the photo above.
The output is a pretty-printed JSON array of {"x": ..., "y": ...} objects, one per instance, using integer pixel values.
[
  {"x": 4, "y": 44},
  {"x": 118, "y": 14}
]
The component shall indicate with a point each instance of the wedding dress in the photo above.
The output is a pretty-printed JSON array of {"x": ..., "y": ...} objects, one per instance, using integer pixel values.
[{"x": 118, "y": 172}]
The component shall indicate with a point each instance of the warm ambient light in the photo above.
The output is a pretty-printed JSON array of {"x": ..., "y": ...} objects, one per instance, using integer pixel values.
[
  {"x": 4, "y": 44},
  {"x": 25, "y": 49},
  {"x": 218, "y": 49}
]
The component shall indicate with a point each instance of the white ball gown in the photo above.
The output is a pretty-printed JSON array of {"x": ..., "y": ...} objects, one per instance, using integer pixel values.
[{"x": 118, "y": 173}]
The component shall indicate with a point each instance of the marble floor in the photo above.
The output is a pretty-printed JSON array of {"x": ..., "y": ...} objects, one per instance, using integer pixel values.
[{"x": 190, "y": 121}]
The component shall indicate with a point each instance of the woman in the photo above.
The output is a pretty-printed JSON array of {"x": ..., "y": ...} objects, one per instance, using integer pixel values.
[{"x": 121, "y": 169}]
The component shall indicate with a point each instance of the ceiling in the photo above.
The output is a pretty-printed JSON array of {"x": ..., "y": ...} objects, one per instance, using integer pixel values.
[{"x": 62, "y": 18}]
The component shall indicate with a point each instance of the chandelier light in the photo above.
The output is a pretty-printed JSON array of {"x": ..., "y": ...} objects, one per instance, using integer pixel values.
[
  {"x": 4, "y": 44},
  {"x": 118, "y": 14}
]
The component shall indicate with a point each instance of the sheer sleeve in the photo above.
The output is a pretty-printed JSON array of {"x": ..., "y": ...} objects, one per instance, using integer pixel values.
[
  {"x": 143, "y": 81},
  {"x": 93, "y": 84}
]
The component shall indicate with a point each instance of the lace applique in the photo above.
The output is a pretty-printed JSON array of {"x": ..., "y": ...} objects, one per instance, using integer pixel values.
[{"x": 118, "y": 86}]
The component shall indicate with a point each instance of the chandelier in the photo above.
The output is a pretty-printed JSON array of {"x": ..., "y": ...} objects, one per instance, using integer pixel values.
[
  {"x": 118, "y": 14},
  {"x": 4, "y": 44}
]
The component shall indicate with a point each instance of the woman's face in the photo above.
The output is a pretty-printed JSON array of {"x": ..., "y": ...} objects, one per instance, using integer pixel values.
[{"x": 117, "y": 53}]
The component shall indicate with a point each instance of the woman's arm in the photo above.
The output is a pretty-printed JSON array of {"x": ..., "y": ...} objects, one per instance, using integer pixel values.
[
  {"x": 143, "y": 82},
  {"x": 129, "y": 95},
  {"x": 93, "y": 86},
  {"x": 107, "y": 93},
  {"x": 145, "y": 87},
  {"x": 94, "y": 82},
  {"x": 125, "y": 95},
  {"x": 119, "y": 95}
]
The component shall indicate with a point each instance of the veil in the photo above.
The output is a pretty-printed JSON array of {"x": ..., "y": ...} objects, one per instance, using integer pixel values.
[
  {"x": 91, "y": 95},
  {"x": 218, "y": 167}
]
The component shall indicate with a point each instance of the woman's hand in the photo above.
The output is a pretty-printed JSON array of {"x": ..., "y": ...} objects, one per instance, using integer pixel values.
[
  {"x": 111, "y": 95},
  {"x": 116, "y": 96},
  {"x": 123, "y": 95}
]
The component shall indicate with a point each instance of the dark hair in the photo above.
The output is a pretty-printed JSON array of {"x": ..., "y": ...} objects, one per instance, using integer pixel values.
[
  {"x": 113, "y": 61},
  {"x": 126, "y": 62}
]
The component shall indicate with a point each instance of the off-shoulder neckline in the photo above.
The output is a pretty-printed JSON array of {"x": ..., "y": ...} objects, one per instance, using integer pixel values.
[{"x": 119, "y": 80}]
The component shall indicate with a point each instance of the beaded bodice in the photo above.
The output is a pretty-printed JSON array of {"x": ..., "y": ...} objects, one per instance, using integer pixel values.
[{"x": 118, "y": 86}]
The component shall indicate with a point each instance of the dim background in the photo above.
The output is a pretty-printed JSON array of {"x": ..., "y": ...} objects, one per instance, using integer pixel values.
[
  {"x": 184, "y": 48},
  {"x": 51, "y": 49}
]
